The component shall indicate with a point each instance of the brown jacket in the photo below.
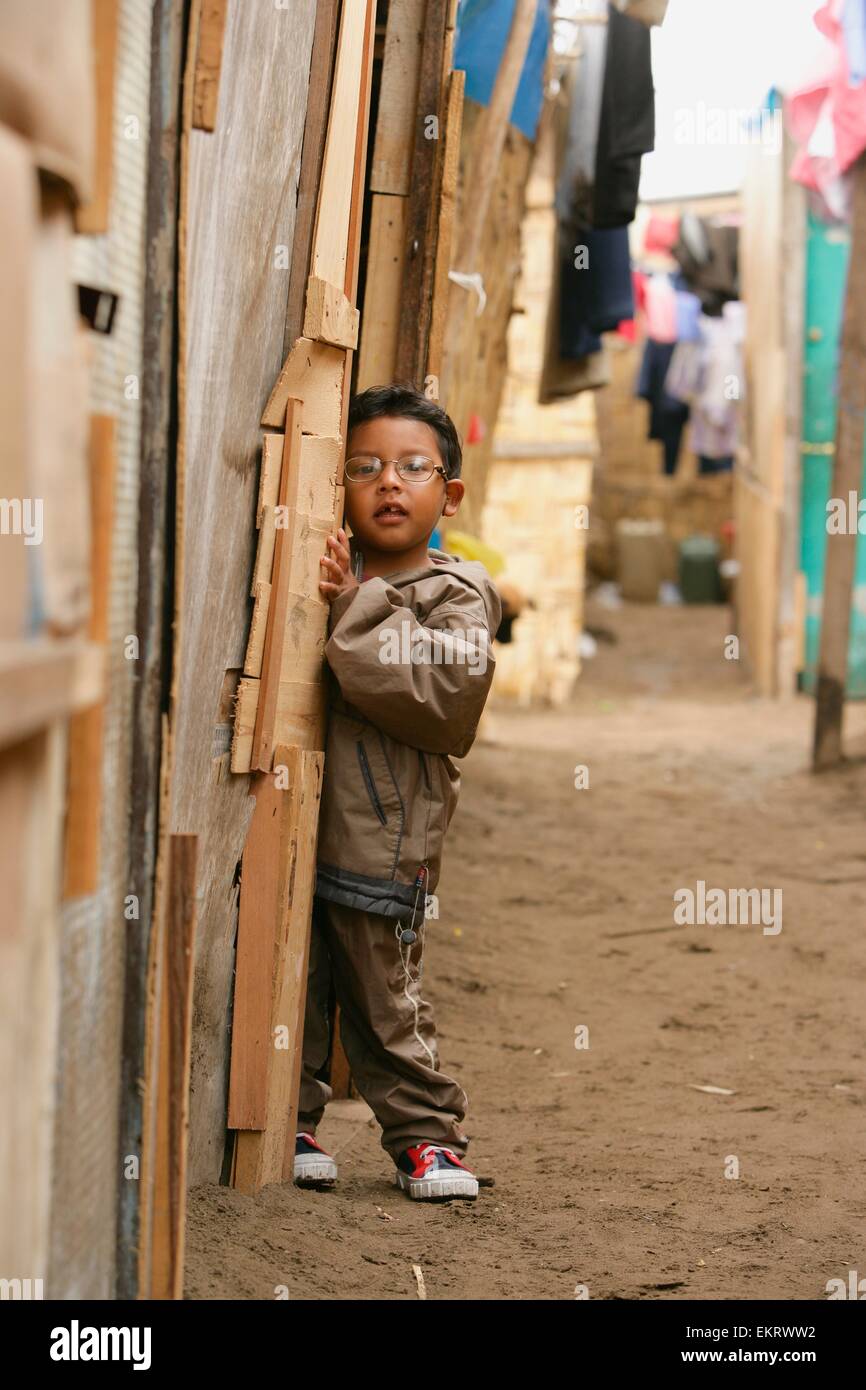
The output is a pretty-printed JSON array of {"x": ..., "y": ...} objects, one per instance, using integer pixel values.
[{"x": 394, "y": 723}]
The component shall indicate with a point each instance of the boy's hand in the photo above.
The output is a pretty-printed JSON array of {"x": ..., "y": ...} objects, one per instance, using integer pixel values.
[{"x": 339, "y": 578}]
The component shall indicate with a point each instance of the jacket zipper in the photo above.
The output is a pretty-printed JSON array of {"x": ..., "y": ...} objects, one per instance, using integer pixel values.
[{"x": 369, "y": 783}]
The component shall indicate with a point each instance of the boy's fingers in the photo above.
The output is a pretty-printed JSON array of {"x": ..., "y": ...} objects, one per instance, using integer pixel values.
[
  {"x": 333, "y": 566},
  {"x": 341, "y": 549}
]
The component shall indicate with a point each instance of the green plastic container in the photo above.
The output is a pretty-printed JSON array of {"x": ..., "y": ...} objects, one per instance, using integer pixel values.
[{"x": 700, "y": 581}]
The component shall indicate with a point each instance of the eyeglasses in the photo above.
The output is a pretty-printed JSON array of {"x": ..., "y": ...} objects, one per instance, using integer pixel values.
[{"x": 413, "y": 468}]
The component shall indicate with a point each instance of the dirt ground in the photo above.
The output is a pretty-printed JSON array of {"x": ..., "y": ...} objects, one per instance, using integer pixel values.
[{"x": 557, "y": 911}]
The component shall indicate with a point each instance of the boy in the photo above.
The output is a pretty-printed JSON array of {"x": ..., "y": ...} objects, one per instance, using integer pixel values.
[{"x": 410, "y": 668}]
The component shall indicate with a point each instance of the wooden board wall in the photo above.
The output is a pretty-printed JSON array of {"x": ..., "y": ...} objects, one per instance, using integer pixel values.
[
  {"x": 477, "y": 356},
  {"x": 240, "y": 190}
]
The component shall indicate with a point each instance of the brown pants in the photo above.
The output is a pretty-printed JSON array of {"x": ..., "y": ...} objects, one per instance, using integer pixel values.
[{"x": 395, "y": 1071}]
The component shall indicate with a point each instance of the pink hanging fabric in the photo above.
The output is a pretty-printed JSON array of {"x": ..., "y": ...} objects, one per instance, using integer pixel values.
[
  {"x": 827, "y": 115},
  {"x": 661, "y": 309}
]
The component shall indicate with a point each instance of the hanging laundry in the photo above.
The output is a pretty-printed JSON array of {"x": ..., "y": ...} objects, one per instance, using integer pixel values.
[
  {"x": 482, "y": 33},
  {"x": 562, "y": 377},
  {"x": 647, "y": 11},
  {"x": 708, "y": 376},
  {"x": 595, "y": 291},
  {"x": 854, "y": 34},
  {"x": 688, "y": 317},
  {"x": 661, "y": 234},
  {"x": 708, "y": 255},
  {"x": 827, "y": 115},
  {"x": 668, "y": 414},
  {"x": 627, "y": 125},
  {"x": 661, "y": 309},
  {"x": 639, "y": 280},
  {"x": 591, "y": 291},
  {"x": 581, "y": 95}
]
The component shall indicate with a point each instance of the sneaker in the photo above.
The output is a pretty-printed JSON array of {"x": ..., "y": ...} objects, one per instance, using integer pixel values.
[
  {"x": 313, "y": 1167},
  {"x": 428, "y": 1171}
]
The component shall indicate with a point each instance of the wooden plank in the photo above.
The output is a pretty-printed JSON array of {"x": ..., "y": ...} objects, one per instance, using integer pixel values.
[
  {"x": 91, "y": 218},
  {"x": 264, "y": 894},
  {"x": 59, "y": 357},
  {"x": 152, "y": 623},
  {"x": 84, "y": 767},
  {"x": 377, "y": 355},
  {"x": 211, "y": 31},
  {"x": 330, "y": 234},
  {"x": 42, "y": 681},
  {"x": 175, "y": 1045},
  {"x": 847, "y": 479},
  {"x": 244, "y": 723},
  {"x": 329, "y": 316},
  {"x": 359, "y": 170},
  {"x": 269, "y": 477},
  {"x": 263, "y": 740},
  {"x": 313, "y": 372},
  {"x": 258, "y": 628},
  {"x": 290, "y": 703},
  {"x": 398, "y": 98},
  {"x": 18, "y": 212},
  {"x": 447, "y": 205},
  {"x": 264, "y": 562},
  {"x": 422, "y": 209},
  {"x": 266, "y": 1154},
  {"x": 315, "y": 131}
]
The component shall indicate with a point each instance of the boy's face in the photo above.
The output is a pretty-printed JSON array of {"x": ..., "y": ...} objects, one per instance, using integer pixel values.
[{"x": 389, "y": 513}]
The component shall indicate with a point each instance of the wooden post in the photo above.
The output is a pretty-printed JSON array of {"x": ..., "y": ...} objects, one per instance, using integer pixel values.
[
  {"x": 847, "y": 479},
  {"x": 177, "y": 948}
]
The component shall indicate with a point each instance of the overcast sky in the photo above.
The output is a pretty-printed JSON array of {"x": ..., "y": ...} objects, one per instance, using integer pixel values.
[{"x": 712, "y": 55}]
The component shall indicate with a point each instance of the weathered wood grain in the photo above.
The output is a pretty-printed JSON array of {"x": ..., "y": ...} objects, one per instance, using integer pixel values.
[{"x": 241, "y": 185}]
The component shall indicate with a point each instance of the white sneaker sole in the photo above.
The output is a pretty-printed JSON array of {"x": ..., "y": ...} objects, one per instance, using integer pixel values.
[
  {"x": 314, "y": 1168},
  {"x": 427, "y": 1189}
]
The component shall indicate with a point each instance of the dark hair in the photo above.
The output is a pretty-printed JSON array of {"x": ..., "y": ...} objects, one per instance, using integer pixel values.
[{"x": 397, "y": 400}]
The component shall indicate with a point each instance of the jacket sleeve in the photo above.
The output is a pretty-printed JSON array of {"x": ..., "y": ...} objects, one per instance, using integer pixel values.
[{"x": 422, "y": 685}]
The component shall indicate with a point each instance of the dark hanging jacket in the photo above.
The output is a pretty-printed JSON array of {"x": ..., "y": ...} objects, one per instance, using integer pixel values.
[{"x": 627, "y": 127}]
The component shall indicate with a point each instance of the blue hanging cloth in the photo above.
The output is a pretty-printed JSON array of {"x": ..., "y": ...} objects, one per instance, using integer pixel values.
[{"x": 482, "y": 32}]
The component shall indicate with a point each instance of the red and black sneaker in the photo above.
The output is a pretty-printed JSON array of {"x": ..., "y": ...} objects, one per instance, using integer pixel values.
[
  {"x": 313, "y": 1166},
  {"x": 431, "y": 1171}
]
